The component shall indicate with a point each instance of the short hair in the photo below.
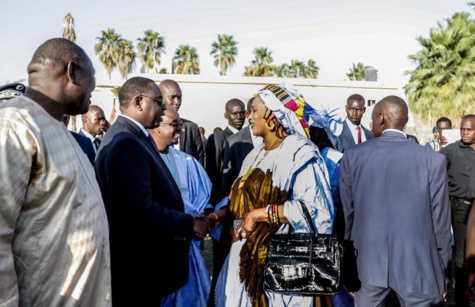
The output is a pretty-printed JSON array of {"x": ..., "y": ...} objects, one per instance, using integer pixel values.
[
  {"x": 133, "y": 87},
  {"x": 233, "y": 102},
  {"x": 444, "y": 119},
  {"x": 356, "y": 97},
  {"x": 55, "y": 53},
  {"x": 469, "y": 116}
]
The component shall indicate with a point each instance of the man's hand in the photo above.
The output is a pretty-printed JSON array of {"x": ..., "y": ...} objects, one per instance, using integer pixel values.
[{"x": 200, "y": 227}]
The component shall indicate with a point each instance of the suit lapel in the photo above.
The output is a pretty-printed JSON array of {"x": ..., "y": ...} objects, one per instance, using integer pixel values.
[
  {"x": 133, "y": 128},
  {"x": 348, "y": 135}
]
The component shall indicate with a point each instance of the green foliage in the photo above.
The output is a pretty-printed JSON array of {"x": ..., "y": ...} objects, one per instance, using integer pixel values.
[
  {"x": 224, "y": 52},
  {"x": 186, "y": 61},
  {"x": 150, "y": 48},
  {"x": 357, "y": 72},
  {"x": 443, "y": 83},
  {"x": 108, "y": 49},
  {"x": 262, "y": 65}
]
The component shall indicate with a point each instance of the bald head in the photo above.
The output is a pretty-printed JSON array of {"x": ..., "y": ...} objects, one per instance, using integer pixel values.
[
  {"x": 390, "y": 112},
  {"x": 52, "y": 57},
  {"x": 171, "y": 92},
  {"x": 61, "y": 78},
  {"x": 94, "y": 121}
]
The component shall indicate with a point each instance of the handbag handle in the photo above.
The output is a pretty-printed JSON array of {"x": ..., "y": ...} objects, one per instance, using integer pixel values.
[{"x": 308, "y": 219}]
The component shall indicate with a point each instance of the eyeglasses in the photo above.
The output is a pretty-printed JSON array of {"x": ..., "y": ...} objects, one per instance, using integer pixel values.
[
  {"x": 174, "y": 124},
  {"x": 157, "y": 100}
]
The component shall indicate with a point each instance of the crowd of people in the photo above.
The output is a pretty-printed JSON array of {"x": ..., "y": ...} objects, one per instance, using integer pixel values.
[{"x": 116, "y": 214}]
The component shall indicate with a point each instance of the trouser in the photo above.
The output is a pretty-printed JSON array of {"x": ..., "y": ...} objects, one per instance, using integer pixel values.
[
  {"x": 373, "y": 296},
  {"x": 460, "y": 211}
]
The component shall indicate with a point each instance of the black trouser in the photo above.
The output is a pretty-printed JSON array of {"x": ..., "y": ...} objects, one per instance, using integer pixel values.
[{"x": 460, "y": 211}]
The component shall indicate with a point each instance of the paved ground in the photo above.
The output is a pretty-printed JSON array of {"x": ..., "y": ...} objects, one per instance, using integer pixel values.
[{"x": 392, "y": 301}]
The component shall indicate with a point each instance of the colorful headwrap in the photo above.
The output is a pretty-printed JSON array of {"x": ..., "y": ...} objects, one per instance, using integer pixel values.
[
  {"x": 327, "y": 118},
  {"x": 289, "y": 107}
]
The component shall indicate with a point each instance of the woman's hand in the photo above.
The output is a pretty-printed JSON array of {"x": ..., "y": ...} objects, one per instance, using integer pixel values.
[{"x": 248, "y": 225}]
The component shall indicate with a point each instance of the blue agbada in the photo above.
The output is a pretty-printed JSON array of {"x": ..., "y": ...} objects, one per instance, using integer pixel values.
[{"x": 195, "y": 188}]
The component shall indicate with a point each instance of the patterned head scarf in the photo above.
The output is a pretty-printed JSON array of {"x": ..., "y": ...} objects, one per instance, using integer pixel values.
[
  {"x": 328, "y": 119},
  {"x": 289, "y": 107}
]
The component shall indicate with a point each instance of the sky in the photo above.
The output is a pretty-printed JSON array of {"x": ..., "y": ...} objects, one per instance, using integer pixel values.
[{"x": 336, "y": 34}]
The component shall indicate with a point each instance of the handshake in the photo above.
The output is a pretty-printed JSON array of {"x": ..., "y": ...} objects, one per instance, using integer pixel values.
[{"x": 204, "y": 224}]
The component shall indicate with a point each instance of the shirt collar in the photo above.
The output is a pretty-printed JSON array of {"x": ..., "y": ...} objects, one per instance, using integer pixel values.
[
  {"x": 144, "y": 130},
  {"x": 394, "y": 130},
  {"x": 351, "y": 125},
  {"x": 89, "y": 136},
  {"x": 233, "y": 130}
]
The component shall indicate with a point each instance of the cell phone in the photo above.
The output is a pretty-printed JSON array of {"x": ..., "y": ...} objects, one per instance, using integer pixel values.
[{"x": 237, "y": 223}]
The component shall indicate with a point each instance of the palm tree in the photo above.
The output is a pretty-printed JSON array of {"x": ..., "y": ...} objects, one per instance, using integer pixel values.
[
  {"x": 69, "y": 33},
  {"x": 357, "y": 72},
  {"x": 443, "y": 83},
  {"x": 150, "y": 48},
  {"x": 107, "y": 49},
  {"x": 224, "y": 52},
  {"x": 262, "y": 65},
  {"x": 186, "y": 61},
  {"x": 312, "y": 69},
  {"x": 126, "y": 57}
]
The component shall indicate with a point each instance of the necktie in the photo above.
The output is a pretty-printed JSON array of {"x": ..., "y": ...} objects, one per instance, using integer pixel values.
[
  {"x": 359, "y": 134},
  {"x": 97, "y": 142},
  {"x": 150, "y": 139}
]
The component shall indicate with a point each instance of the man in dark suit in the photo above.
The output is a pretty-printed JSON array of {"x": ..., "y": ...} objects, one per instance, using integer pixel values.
[
  {"x": 353, "y": 132},
  {"x": 93, "y": 125},
  {"x": 149, "y": 231},
  {"x": 235, "y": 114},
  {"x": 400, "y": 223},
  {"x": 190, "y": 137},
  {"x": 236, "y": 148},
  {"x": 82, "y": 140}
]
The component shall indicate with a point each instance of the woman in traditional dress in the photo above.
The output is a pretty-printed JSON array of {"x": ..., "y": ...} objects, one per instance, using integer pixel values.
[{"x": 275, "y": 180}]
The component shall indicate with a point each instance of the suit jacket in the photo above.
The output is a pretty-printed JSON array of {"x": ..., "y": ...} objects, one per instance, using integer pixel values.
[
  {"x": 214, "y": 163},
  {"x": 236, "y": 148},
  {"x": 190, "y": 141},
  {"x": 149, "y": 231},
  {"x": 345, "y": 139},
  {"x": 395, "y": 201},
  {"x": 86, "y": 145}
]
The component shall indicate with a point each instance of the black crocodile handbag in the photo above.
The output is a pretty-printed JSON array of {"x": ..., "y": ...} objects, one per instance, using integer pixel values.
[{"x": 304, "y": 264}]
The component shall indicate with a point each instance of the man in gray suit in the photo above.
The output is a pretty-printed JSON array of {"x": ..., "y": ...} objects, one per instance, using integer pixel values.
[
  {"x": 353, "y": 132},
  {"x": 396, "y": 206}
]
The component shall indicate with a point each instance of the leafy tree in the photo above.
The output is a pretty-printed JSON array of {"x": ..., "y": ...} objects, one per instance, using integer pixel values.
[
  {"x": 262, "y": 65},
  {"x": 357, "y": 72},
  {"x": 224, "y": 52},
  {"x": 186, "y": 61},
  {"x": 443, "y": 83},
  {"x": 298, "y": 69},
  {"x": 150, "y": 48},
  {"x": 126, "y": 57},
  {"x": 107, "y": 49},
  {"x": 312, "y": 69}
]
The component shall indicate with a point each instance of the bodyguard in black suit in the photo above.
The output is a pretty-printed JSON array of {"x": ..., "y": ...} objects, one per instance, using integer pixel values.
[
  {"x": 149, "y": 232},
  {"x": 353, "y": 132},
  {"x": 235, "y": 114},
  {"x": 190, "y": 137}
]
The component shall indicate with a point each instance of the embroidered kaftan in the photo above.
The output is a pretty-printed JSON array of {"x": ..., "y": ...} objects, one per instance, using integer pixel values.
[
  {"x": 296, "y": 170},
  {"x": 54, "y": 243}
]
